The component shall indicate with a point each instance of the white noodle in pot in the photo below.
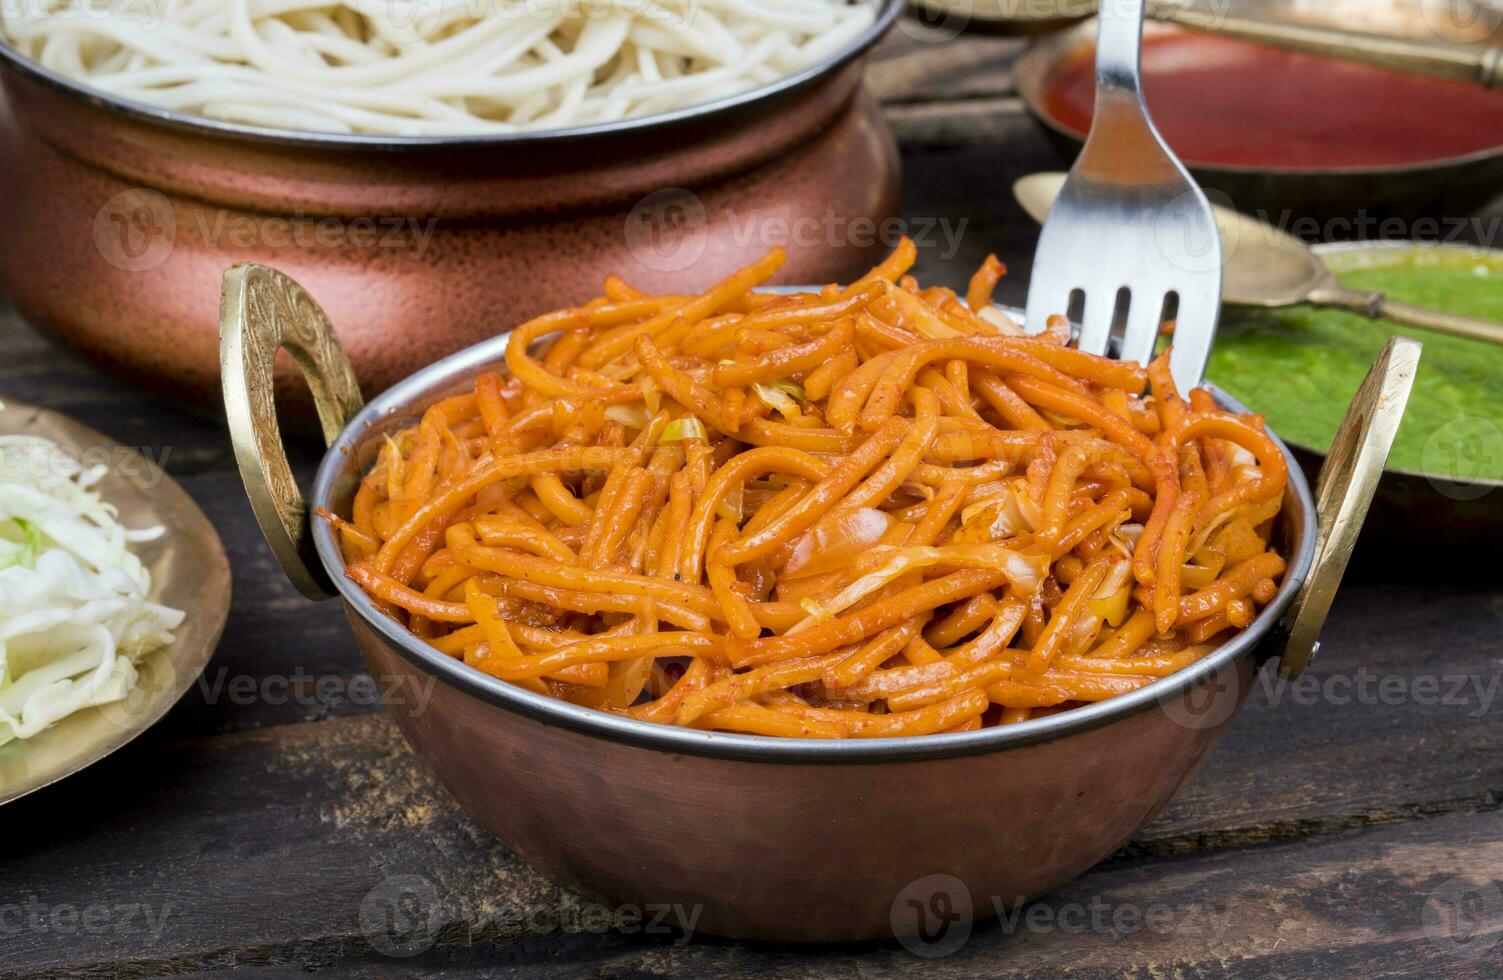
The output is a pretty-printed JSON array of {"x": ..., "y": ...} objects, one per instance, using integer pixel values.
[{"x": 429, "y": 67}]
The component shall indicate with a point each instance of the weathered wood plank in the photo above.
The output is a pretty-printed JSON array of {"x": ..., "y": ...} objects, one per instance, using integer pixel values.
[
  {"x": 267, "y": 854},
  {"x": 978, "y": 122},
  {"x": 928, "y": 59},
  {"x": 1396, "y": 718},
  {"x": 34, "y": 369}
]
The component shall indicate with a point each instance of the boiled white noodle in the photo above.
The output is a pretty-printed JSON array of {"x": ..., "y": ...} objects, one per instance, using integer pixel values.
[{"x": 429, "y": 67}]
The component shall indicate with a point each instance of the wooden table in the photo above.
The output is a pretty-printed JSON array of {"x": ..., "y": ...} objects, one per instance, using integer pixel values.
[{"x": 1347, "y": 825}]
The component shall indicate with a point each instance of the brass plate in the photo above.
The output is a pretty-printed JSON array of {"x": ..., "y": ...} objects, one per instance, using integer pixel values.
[{"x": 189, "y": 571}]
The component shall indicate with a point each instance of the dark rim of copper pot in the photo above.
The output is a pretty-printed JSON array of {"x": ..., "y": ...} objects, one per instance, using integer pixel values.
[
  {"x": 886, "y": 12},
  {"x": 396, "y": 407}
]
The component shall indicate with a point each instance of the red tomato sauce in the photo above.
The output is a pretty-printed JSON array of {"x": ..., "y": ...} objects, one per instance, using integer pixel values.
[{"x": 1225, "y": 101}]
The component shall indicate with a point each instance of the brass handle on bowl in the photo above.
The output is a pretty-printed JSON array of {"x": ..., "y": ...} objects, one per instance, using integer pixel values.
[
  {"x": 1345, "y": 489},
  {"x": 262, "y": 311}
]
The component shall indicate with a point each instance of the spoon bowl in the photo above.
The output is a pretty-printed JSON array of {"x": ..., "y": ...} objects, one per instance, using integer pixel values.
[{"x": 1267, "y": 267}]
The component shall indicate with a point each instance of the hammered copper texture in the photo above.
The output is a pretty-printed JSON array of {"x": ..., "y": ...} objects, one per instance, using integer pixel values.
[
  {"x": 797, "y": 852},
  {"x": 132, "y": 282}
]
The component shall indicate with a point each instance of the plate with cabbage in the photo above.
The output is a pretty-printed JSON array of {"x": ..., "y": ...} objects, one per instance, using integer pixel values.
[{"x": 114, "y": 589}]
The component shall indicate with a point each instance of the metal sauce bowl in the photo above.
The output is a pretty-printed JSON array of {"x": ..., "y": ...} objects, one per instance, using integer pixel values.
[
  {"x": 122, "y": 215},
  {"x": 1456, "y": 512},
  {"x": 1456, "y": 185},
  {"x": 769, "y": 838}
]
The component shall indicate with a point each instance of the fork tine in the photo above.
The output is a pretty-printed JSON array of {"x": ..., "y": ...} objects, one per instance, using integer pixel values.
[
  {"x": 1192, "y": 348},
  {"x": 1096, "y": 321},
  {"x": 1129, "y": 215},
  {"x": 1142, "y": 332}
]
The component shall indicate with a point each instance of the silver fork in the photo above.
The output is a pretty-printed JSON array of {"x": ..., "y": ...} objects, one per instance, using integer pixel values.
[{"x": 1130, "y": 228}]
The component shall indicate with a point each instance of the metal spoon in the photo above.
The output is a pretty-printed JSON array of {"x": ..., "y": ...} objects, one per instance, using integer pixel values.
[
  {"x": 1480, "y": 64},
  {"x": 1266, "y": 267}
]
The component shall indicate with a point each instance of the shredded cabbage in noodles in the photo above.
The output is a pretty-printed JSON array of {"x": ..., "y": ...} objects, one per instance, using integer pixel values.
[{"x": 74, "y": 613}]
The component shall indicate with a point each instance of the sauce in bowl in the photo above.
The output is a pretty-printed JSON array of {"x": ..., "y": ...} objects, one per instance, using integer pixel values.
[
  {"x": 1300, "y": 366},
  {"x": 1235, "y": 103}
]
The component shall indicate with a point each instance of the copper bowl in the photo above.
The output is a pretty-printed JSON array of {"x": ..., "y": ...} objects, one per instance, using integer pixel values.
[
  {"x": 766, "y": 838},
  {"x": 121, "y": 216}
]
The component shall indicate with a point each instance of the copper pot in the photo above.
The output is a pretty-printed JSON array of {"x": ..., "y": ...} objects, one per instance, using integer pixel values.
[
  {"x": 122, "y": 216},
  {"x": 766, "y": 838}
]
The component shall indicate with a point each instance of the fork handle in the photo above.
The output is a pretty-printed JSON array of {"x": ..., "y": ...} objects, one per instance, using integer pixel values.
[
  {"x": 1119, "y": 34},
  {"x": 1121, "y": 117}
]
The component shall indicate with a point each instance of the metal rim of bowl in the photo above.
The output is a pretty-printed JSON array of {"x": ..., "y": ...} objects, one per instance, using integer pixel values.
[
  {"x": 394, "y": 404},
  {"x": 1031, "y": 13},
  {"x": 1046, "y": 53},
  {"x": 886, "y": 12},
  {"x": 1396, "y": 246}
]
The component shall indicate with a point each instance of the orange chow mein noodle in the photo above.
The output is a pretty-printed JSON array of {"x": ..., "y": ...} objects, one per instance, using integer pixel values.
[{"x": 863, "y": 511}]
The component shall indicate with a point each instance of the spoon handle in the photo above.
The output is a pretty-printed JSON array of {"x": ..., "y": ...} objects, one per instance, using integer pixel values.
[
  {"x": 1481, "y": 64},
  {"x": 1376, "y": 305}
]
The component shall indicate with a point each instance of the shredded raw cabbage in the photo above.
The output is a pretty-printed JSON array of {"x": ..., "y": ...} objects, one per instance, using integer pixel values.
[
  {"x": 74, "y": 613},
  {"x": 683, "y": 429},
  {"x": 1025, "y": 574}
]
